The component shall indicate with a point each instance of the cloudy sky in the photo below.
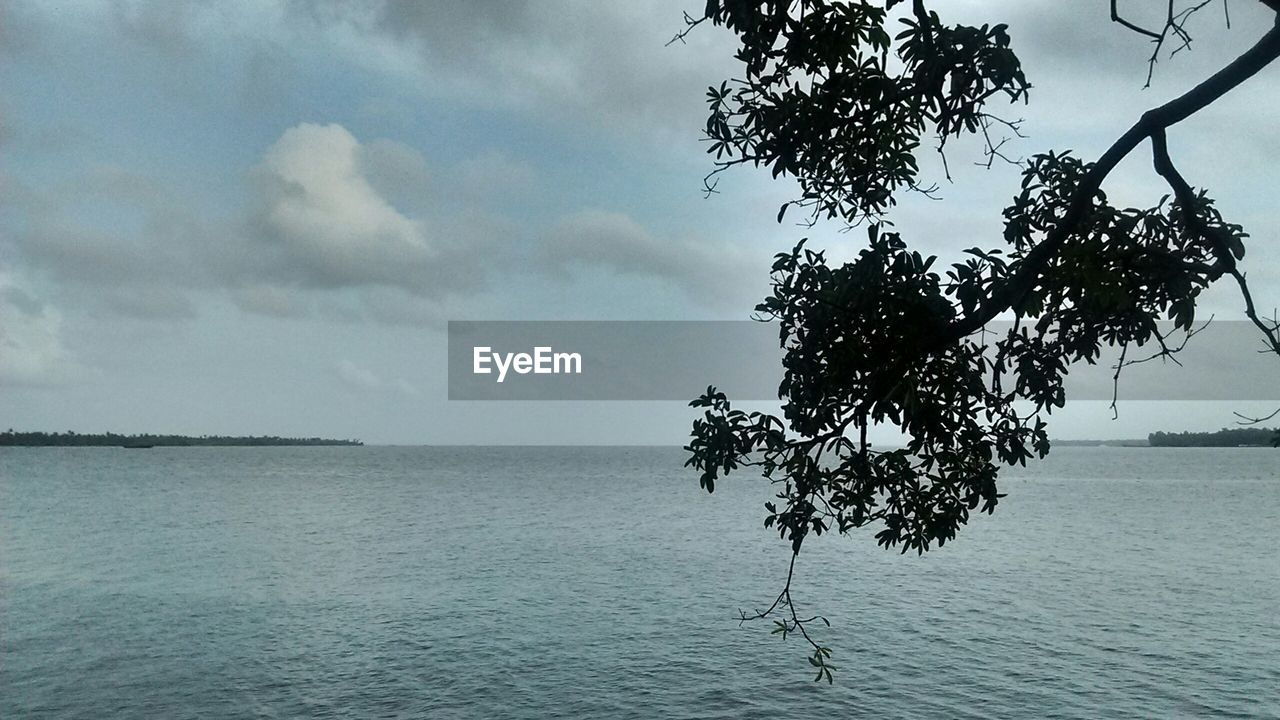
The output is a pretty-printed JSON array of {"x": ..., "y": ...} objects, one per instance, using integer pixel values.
[{"x": 248, "y": 218}]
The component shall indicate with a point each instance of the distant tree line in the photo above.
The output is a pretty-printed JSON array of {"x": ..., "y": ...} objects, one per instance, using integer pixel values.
[
  {"x": 74, "y": 439},
  {"x": 1226, "y": 437}
]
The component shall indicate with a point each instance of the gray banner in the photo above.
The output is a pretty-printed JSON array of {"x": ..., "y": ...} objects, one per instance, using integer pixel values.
[{"x": 676, "y": 361}]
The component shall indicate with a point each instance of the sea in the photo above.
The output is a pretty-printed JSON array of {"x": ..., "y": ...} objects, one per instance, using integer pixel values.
[{"x": 540, "y": 582}]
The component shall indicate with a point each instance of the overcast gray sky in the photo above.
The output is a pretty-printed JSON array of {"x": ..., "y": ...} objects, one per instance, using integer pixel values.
[{"x": 248, "y": 218}]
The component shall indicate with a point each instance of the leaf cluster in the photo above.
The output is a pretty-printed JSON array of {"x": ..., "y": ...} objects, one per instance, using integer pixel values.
[
  {"x": 839, "y": 95},
  {"x": 836, "y": 98}
]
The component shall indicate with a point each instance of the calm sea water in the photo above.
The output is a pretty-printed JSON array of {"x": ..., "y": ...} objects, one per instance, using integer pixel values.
[{"x": 557, "y": 582}]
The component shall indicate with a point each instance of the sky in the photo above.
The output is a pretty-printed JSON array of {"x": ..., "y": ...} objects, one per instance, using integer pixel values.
[{"x": 256, "y": 218}]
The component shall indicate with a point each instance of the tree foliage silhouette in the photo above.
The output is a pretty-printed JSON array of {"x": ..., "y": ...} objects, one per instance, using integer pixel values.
[{"x": 842, "y": 97}]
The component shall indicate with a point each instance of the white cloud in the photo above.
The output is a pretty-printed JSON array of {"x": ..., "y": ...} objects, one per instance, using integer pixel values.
[
  {"x": 331, "y": 226},
  {"x": 268, "y": 300},
  {"x": 362, "y": 379},
  {"x": 356, "y": 376},
  {"x": 369, "y": 225},
  {"x": 31, "y": 349},
  {"x": 328, "y": 214},
  {"x": 404, "y": 387}
]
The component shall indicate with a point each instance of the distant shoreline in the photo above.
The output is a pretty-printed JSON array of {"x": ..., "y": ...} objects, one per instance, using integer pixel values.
[
  {"x": 1226, "y": 437},
  {"x": 73, "y": 439}
]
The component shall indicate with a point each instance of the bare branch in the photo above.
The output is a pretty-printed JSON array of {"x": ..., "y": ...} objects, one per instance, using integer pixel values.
[
  {"x": 1164, "y": 353},
  {"x": 689, "y": 24},
  {"x": 1174, "y": 27},
  {"x": 1115, "y": 17},
  {"x": 1246, "y": 420}
]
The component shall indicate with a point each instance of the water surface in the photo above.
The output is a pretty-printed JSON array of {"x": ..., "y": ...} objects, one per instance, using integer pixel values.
[{"x": 384, "y": 582}]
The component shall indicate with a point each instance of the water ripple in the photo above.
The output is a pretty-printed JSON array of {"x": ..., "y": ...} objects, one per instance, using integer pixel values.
[{"x": 535, "y": 583}]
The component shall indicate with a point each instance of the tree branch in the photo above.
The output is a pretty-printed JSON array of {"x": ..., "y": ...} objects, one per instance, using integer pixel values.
[
  {"x": 1010, "y": 294},
  {"x": 1225, "y": 259},
  {"x": 1115, "y": 17}
]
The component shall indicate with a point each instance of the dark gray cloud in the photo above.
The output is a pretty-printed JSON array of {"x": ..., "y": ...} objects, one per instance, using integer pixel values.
[
  {"x": 355, "y": 245},
  {"x": 269, "y": 300},
  {"x": 705, "y": 269},
  {"x": 396, "y": 171},
  {"x": 322, "y": 218},
  {"x": 143, "y": 264},
  {"x": 332, "y": 212},
  {"x": 1088, "y": 73},
  {"x": 395, "y": 240},
  {"x": 597, "y": 64},
  {"x": 165, "y": 25},
  {"x": 152, "y": 302}
]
